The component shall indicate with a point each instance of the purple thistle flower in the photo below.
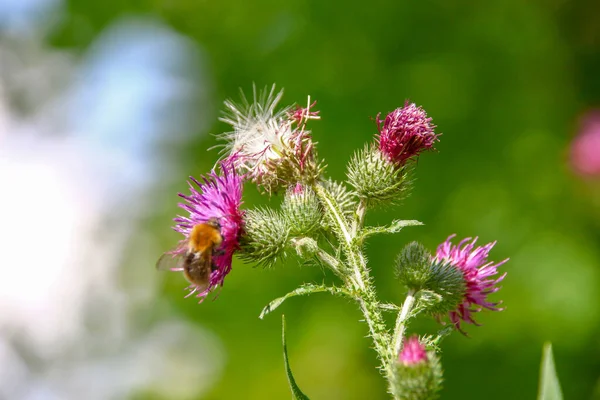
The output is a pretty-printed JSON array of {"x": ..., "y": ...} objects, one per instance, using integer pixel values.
[
  {"x": 214, "y": 197},
  {"x": 302, "y": 114},
  {"x": 477, "y": 272},
  {"x": 413, "y": 352},
  {"x": 405, "y": 133},
  {"x": 298, "y": 189}
]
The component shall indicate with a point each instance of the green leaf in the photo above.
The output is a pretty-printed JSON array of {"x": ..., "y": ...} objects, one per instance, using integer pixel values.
[
  {"x": 398, "y": 224},
  {"x": 432, "y": 342},
  {"x": 305, "y": 289},
  {"x": 549, "y": 386},
  {"x": 389, "y": 307},
  {"x": 395, "y": 227},
  {"x": 296, "y": 392}
]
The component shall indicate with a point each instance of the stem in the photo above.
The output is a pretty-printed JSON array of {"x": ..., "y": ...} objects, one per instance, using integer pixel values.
[
  {"x": 329, "y": 260},
  {"x": 355, "y": 257},
  {"x": 361, "y": 283},
  {"x": 377, "y": 330},
  {"x": 339, "y": 218},
  {"x": 359, "y": 219},
  {"x": 401, "y": 320}
]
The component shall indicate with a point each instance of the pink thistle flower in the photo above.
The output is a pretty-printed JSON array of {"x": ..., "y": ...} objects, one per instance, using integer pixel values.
[
  {"x": 215, "y": 197},
  {"x": 298, "y": 189},
  {"x": 585, "y": 149},
  {"x": 405, "y": 133},
  {"x": 477, "y": 273},
  {"x": 413, "y": 352}
]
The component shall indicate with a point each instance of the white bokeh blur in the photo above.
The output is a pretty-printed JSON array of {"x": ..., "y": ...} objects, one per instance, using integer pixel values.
[{"x": 78, "y": 155}]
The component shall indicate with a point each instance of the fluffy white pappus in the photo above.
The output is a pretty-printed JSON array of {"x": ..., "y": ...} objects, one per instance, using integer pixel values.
[{"x": 261, "y": 134}]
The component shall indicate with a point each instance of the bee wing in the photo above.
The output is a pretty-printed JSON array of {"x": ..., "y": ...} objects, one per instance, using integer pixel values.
[{"x": 170, "y": 262}]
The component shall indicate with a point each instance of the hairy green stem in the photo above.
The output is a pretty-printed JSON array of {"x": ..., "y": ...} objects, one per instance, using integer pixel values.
[
  {"x": 403, "y": 315},
  {"x": 378, "y": 331},
  {"x": 361, "y": 283},
  {"x": 359, "y": 216},
  {"x": 329, "y": 260},
  {"x": 346, "y": 240},
  {"x": 334, "y": 210}
]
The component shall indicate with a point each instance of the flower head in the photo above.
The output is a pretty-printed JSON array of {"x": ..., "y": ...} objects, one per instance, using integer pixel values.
[
  {"x": 272, "y": 147},
  {"x": 405, "y": 133},
  {"x": 418, "y": 373},
  {"x": 477, "y": 272},
  {"x": 413, "y": 352},
  {"x": 215, "y": 197},
  {"x": 302, "y": 211}
]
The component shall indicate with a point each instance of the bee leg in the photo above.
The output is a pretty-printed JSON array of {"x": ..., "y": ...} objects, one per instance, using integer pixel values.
[{"x": 218, "y": 252}]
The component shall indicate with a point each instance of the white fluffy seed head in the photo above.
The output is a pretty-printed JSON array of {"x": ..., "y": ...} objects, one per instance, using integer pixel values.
[
  {"x": 260, "y": 132},
  {"x": 269, "y": 145}
]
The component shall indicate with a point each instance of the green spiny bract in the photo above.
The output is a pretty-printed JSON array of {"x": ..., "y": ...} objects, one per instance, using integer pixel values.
[
  {"x": 412, "y": 266},
  {"x": 266, "y": 237},
  {"x": 421, "y": 381},
  {"x": 376, "y": 179},
  {"x": 439, "y": 286},
  {"x": 290, "y": 167},
  {"x": 302, "y": 211},
  {"x": 444, "y": 290}
]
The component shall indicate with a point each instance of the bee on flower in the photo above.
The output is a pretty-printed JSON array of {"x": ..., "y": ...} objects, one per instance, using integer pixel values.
[
  {"x": 212, "y": 231},
  {"x": 323, "y": 223}
]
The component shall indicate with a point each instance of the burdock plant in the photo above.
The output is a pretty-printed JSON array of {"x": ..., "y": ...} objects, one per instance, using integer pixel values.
[{"x": 322, "y": 220}]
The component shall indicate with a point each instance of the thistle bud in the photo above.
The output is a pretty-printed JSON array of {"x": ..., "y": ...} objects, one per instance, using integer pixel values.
[
  {"x": 302, "y": 211},
  {"x": 266, "y": 237},
  {"x": 380, "y": 173},
  {"x": 375, "y": 178},
  {"x": 440, "y": 287},
  {"x": 418, "y": 373}
]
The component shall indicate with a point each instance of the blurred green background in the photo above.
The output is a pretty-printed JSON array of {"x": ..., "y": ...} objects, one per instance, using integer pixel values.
[{"x": 505, "y": 83}]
